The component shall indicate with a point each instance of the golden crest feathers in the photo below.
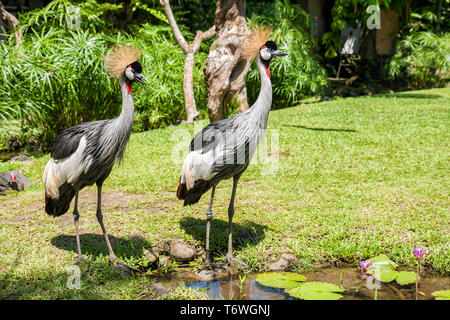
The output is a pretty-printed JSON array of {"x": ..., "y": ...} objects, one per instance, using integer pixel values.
[
  {"x": 117, "y": 59},
  {"x": 257, "y": 38}
]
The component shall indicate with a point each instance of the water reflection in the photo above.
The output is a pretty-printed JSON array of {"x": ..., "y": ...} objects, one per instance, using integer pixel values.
[{"x": 355, "y": 288}]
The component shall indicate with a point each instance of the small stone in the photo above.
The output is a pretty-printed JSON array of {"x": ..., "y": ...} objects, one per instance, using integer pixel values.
[
  {"x": 151, "y": 258},
  {"x": 284, "y": 262},
  {"x": 161, "y": 248},
  {"x": 280, "y": 265},
  {"x": 182, "y": 251},
  {"x": 159, "y": 289},
  {"x": 21, "y": 158},
  {"x": 290, "y": 258},
  {"x": 164, "y": 261}
]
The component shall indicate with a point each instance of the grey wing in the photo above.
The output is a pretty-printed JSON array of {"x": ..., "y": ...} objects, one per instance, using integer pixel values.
[
  {"x": 68, "y": 141},
  {"x": 209, "y": 138}
]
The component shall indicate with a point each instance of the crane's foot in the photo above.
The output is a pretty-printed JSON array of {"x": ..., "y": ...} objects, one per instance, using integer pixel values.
[
  {"x": 121, "y": 264},
  {"x": 230, "y": 259},
  {"x": 212, "y": 265}
]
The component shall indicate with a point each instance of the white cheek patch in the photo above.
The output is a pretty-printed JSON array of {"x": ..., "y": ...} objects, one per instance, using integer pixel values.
[
  {"x": 265, "y": 54},
  {"x": 129, "y": 73}
]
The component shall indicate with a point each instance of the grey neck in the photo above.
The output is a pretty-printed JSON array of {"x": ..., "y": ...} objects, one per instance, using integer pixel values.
[
  {"x": 261, "y": 108},
  {"x": 126, "y": 117}
]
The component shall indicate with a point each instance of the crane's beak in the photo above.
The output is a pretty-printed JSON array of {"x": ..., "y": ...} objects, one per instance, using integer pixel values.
[
  {"x": 278, "y": 53},
  {"x": 140, "y": 78}
]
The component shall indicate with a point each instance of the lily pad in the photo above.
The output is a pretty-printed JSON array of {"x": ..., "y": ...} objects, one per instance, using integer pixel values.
[
  {"x": 442, "y": 294},
  {"x": 382, "y": 262},
  {"x": 280, "y": 279},
  {"x": 405, "y": 277},
  {"x": 384, "y": 275},
  {"x": 316, "y": 291}
]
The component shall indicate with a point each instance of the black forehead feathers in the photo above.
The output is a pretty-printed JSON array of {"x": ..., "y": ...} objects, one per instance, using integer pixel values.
[
  {"x": 271, "y": 45},
  {"x": 136, "y": 66}
]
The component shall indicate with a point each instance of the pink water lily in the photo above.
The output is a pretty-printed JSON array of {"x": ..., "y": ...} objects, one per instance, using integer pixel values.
[
  {"x": 365, "y": 264},
  {"x": 418, "y": 252}
]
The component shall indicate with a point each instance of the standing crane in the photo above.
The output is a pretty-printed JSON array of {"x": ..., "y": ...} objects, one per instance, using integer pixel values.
[
  {"x": 86, "y": 153},
  {"x": 224, "y": 148}
]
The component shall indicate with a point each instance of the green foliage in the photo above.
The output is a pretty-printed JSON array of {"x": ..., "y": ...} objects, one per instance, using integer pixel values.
[
  {"x": 424, "y": 57},
  {"x": 280, "y": 279},
  {"x": 297, "y": 75},
  {"x": 56, "y": 78}
]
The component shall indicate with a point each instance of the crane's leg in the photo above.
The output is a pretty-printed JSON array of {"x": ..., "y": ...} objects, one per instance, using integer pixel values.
[
  {"x": 209, "y": 216},
  {"x": 76, "y": 216},
  {"x": 112, "y": 256},
  {"x": 229, "y": 256}
]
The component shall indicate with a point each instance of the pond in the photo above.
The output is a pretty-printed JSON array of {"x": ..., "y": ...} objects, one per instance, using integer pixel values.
[{"x": 354, "y": 287}]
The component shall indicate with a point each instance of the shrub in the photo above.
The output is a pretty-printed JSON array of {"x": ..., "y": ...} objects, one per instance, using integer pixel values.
[
  {"x": 424, "y": 57},
  {"x": 55, "y": 79},
  {"x": 298, "y": 75}
]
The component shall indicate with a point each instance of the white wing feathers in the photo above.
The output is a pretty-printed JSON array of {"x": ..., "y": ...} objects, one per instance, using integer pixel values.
[
  {"x": 57, "y": 172},
  {"x": 197, "y": 166}
]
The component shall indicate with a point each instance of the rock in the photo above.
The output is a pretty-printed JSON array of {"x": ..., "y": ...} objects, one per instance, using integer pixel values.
[
  {"x": 21, "y": 158},
  {"x": 150, "y": 257},
  {"x": 215, "y": 274},
  {"x": 13, "y": 180},
  {"x": 180, "y": 250},
  {"x": 284, "y": 262},
  {"x": 161, "y": 248},
  {"x": 164, "y": 261},
  {"x": 160, "y": 289}
]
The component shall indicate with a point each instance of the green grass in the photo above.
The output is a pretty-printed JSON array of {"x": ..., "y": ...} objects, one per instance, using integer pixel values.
[{"x": 356, "y": 177}]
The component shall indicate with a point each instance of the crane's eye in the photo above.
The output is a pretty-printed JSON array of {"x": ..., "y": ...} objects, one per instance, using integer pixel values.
[
  {"x": 129, "y": 72},
  {"x": 265, "y": 53}
]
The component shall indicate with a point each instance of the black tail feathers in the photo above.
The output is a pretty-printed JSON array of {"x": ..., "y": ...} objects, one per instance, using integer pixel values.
[
  {"x": 60, "y": 206},
  {"x": 193, "y": 195}
]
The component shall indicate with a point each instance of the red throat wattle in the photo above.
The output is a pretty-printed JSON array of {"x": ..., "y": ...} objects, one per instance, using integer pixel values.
[
  {"x": 266, "y": 65},
  {"x": 129, "y": 86}
]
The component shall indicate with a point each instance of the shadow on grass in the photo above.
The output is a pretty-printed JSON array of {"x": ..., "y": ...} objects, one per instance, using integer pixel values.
[
  {"x": 248, "y": 233},
  {"x": 408, "y": 95},
  {"x": 319, "y": 129},
  {"x": 94, "y": 245}
]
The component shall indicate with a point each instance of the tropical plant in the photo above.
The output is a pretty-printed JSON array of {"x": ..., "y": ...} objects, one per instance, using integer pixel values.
[
  {"x": 298, "y": 75},
  {"x": 424, "y": 58},
  {"x": 56, "y": 79}
]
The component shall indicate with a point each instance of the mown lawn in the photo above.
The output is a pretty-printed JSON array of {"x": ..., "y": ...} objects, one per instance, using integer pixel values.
[{"x": 353, "y": 178}]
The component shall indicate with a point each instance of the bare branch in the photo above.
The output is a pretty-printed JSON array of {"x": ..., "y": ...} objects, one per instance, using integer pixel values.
[
  {"x": 201, "y": 36},
  {"x": 5, "y": 15},
  {"x": 173, "y": 24}
]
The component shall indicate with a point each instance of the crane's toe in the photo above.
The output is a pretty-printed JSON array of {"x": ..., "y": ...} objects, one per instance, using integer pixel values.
[
  {"x": 230, "y": 259},
  {"x": 209, "y": 264}
]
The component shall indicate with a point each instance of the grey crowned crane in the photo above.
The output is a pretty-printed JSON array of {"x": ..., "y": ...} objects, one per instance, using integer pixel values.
[
  {"x": 86, "y": 153},
  {"x": 224, "y": 148}
]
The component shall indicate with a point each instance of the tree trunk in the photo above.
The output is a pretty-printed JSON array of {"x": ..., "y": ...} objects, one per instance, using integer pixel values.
[
  {"x": 12, "y": 20},
  {"x": 189, "y": 50},
  {"x": 438, "y": 15},
  {"x": 226, "y": 70}
]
